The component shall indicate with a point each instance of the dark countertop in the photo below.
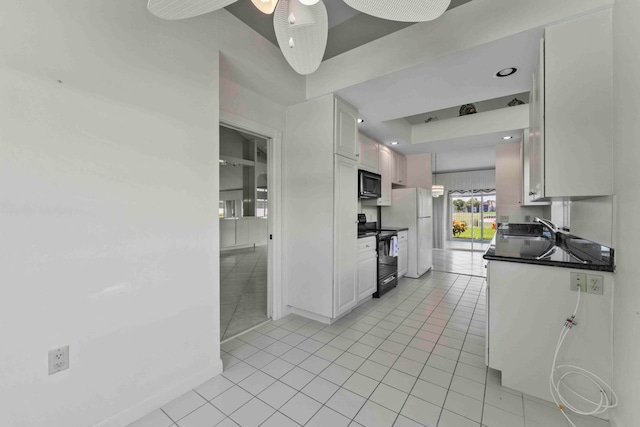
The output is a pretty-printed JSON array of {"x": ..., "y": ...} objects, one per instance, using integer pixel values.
[
  {"x": 381, "y": 231},
  {"x": 394, "y": 228},
  {"x": 569, "y": 251}
]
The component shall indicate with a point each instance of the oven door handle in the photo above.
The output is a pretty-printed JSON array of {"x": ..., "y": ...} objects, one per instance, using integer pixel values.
[{"x": 389, "y": 279}]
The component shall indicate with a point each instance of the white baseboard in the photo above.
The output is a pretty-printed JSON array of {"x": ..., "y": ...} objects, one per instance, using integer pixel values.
[
  {"x": 310, "y": 315},
  {"x": 161, "y": 398}
]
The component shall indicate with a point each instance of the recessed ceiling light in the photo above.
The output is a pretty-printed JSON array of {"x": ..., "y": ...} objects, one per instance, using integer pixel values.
[
  {"x": 394, "y": 142},
  {"x": 506, "y": 72},
  {"x": 360, "y": 120},
  {"x": 507, "y": 137}
]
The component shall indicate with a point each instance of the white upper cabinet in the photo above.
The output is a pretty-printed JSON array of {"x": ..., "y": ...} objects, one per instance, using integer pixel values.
[
  {"x": 385, "y": 171},
  {"x": 508, "y": 175},
  {"x": 527, "y": 198},
  {"x": 535, "y": 144},
  {"x": 399, "y": 175},
  {"x": 368, "y": 156},
  {"x": 346, "y": 130},
  {"x": 571, "y": 132}
]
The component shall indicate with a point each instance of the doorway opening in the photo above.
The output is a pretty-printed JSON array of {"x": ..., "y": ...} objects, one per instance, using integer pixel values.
[
  {"x": 243, "y": 213},
  {"x": 472, "y": 219}
]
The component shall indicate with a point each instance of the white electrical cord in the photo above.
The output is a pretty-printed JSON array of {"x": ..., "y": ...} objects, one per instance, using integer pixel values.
[{"x": 608, "y": 398}]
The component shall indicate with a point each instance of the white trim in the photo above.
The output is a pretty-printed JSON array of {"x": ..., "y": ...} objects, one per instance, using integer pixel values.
[
  {"x": 274, "y": 176},
  {"x": 165, "y": 396}
]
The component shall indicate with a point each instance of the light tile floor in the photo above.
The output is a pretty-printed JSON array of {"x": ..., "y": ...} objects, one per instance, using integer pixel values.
[
  {"x": 461, "y": 262},
  {"x": 465, "y": 245},
  {"x": 243, "y": 290},
  {"x": 412, "y": 358}
]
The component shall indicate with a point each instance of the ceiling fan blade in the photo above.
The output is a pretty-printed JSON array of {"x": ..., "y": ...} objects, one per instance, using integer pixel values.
[
  {"x": 401, "y": 10},
  {"x": 181, "y": 9},
  {"x": 302, "y": 44},
  {"x": 265, "y": 6}
]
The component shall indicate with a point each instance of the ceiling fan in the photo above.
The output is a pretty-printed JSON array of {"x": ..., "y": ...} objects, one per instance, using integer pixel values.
[{"x": 301, "y": 26}]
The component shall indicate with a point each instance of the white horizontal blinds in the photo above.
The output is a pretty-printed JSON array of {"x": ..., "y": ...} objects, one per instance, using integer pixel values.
[{"x": 464, "y": 181}]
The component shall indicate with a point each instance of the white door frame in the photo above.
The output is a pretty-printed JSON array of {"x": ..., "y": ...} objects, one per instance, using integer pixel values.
[{"x": 274, "y": 218}]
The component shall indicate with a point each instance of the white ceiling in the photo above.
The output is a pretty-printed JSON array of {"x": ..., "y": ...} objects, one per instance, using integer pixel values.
[
  {"x": 338, "y": 12},
  {"x": 446, "y": 82},
  {"x": 449, "y": 81},
  {"x": 456, "y": 144},
  {"x": 453, "y": 80}
]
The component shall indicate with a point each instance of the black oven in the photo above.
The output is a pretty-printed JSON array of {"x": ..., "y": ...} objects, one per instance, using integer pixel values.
[
  {"x": 369, "y": 185},
  {"x": 387, "y": 262}
]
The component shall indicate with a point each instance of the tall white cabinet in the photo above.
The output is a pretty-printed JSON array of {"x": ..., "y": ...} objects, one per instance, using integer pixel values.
[
  {"x": 321, "y": 245},
  {"x": 571, "y": 130}
]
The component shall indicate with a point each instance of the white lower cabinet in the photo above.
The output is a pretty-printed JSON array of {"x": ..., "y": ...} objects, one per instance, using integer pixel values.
[
  {"x": 367, "y": 267},
  {"x": 344, "y": 235},
  {"x": 528, "y": 305},
  {"x": 403, "y": 253}
]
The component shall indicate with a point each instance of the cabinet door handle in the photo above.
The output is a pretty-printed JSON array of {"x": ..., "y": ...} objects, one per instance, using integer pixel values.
[{"x": 531, "y": 193}]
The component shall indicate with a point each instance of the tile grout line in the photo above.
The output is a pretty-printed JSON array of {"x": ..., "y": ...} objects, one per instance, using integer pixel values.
[
  {"x": 348, "y": 326},
  {"x": 331, "y": 362}
]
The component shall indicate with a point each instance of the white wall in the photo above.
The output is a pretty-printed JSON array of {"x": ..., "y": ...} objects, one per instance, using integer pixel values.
[
  {"x": 626, "y": 113},
  {"x": 509, "y": 186},
  {"x": 419, "y": 170},
  {"x": 592, "y": 219},
  {"x": 107, "y": 206},
  {"x": 488, "y": 122},
  {"x": 464, "y": 160}
]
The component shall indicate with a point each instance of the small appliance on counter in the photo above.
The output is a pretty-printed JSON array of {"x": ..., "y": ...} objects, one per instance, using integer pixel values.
[{"x": 362, "y": 224}]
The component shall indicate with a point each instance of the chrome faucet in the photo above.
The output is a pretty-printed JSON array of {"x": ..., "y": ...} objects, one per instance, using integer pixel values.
[{"x": 549, "y": 226}]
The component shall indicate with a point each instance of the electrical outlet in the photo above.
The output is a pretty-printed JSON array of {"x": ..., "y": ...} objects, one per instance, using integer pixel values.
[
  {"x": 504, "y": 218},
  {"x": 595, "y": 284},
  {"x": 578, "y": 280},
  {"x": 58, "y": 359},
  {"x": 527, "y": 218}
]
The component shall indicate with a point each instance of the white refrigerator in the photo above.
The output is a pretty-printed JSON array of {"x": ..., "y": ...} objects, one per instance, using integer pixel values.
[{"x": 412, "y": 208}]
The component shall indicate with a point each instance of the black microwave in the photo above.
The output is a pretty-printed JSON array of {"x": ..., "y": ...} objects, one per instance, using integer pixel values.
[{"x": 369, "y": 185}]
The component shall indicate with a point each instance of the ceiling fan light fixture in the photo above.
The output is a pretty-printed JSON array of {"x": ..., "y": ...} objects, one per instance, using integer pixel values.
[
  {"x": 265, "y": 6},
  {"x": 437, "y": 190},
  {"x": 309, "y": 2},
  {"x": 300, "y": 15},
  {"x": 182, "y": 9},
  {"x": 309, "y": 32},
  {"x": 401, "y": 10}
]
